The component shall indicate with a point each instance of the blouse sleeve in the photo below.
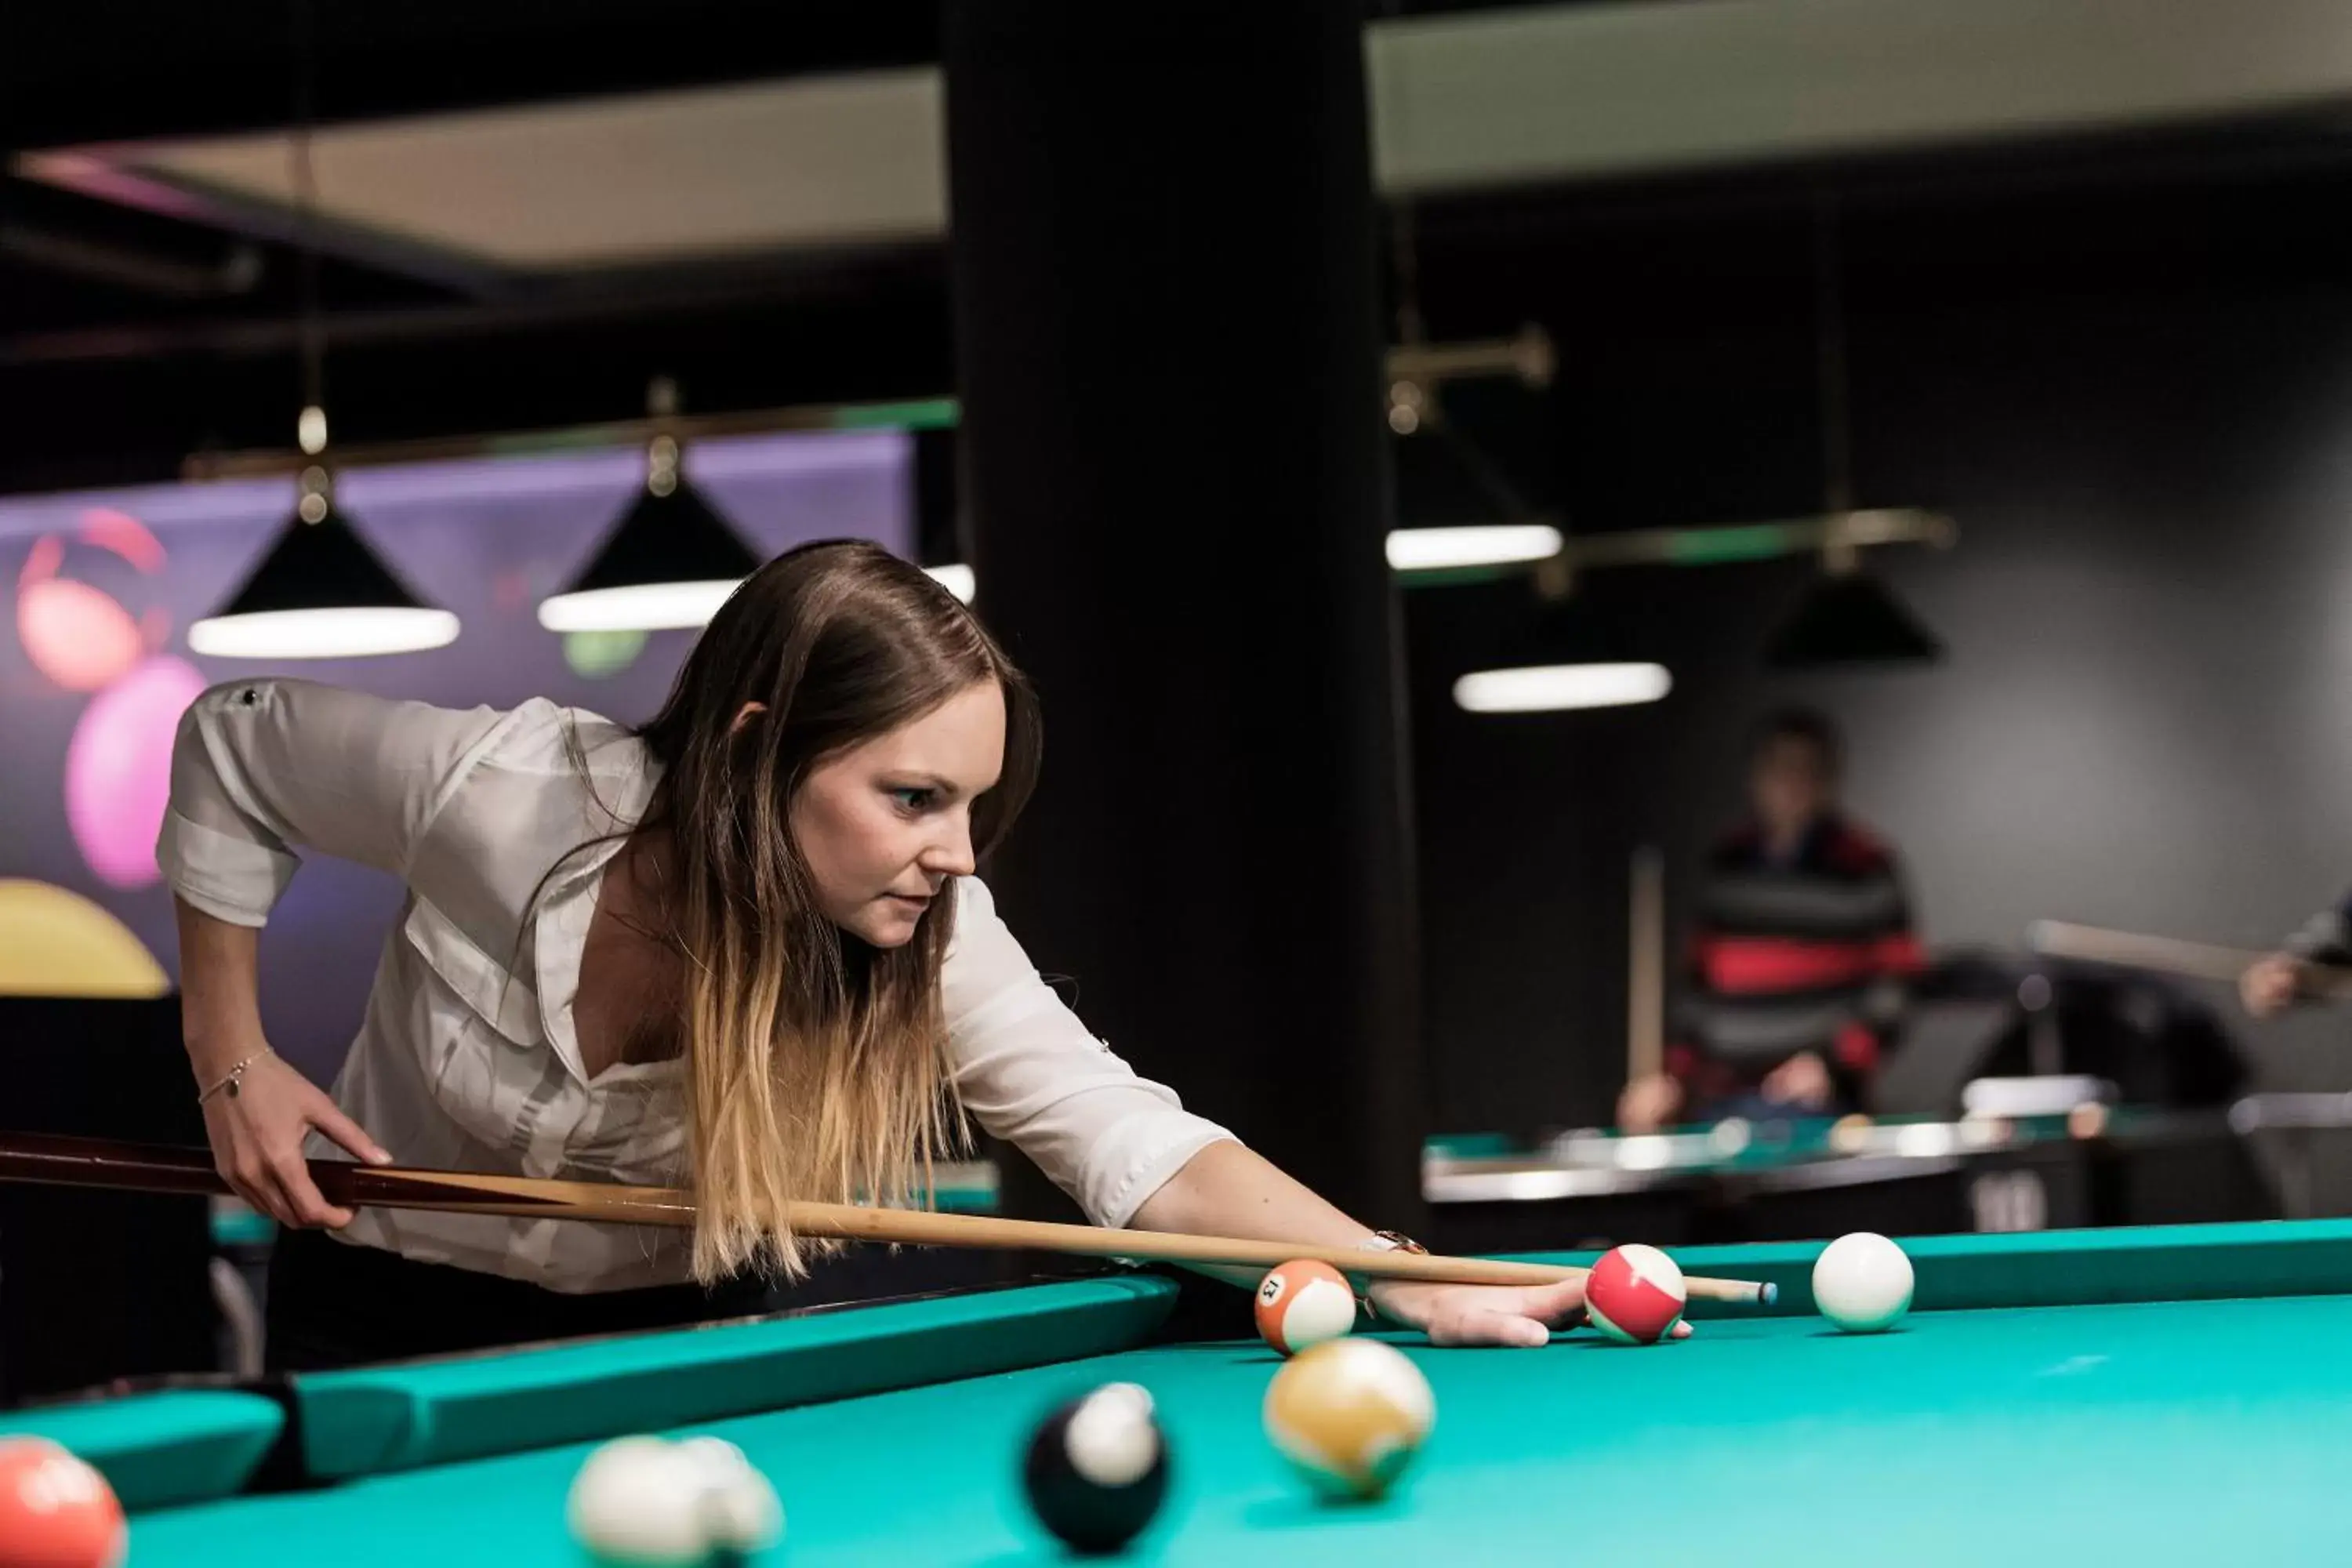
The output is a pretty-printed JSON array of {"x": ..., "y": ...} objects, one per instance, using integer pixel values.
[
  {"x": 1030, "y": 1073},
  {"x": 262, "y": 769}
]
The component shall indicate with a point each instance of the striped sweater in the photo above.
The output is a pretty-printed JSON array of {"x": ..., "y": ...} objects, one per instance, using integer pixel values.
[{"x": 1803, "y": 954}]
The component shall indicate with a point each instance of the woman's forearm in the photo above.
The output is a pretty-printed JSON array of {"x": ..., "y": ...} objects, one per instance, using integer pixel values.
[
  {"x": 1228, "y": 1189},
  {"x": 220, "y": 991}
]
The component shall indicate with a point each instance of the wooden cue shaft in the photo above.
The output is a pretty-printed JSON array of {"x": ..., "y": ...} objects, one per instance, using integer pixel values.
[
  {"x": 2171, "y": 955},
  {"x": 76, "y": 1162},
  {"x": 1646, "y": 989}
]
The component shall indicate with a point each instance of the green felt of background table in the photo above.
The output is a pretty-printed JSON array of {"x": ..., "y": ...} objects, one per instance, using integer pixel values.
[
  {"x": 161, "y": 1448},
  {"x": 2147, "y": 1432}
]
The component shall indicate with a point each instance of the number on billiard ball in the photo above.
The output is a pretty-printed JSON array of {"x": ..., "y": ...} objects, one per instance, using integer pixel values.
[{"x": 1096, "y": 1470}]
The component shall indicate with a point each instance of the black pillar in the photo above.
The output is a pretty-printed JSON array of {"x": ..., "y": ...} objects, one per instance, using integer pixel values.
[{"x": 1162, "y": 237}]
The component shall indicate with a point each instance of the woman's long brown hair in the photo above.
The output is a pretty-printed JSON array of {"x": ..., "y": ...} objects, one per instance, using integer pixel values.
[{"x": 816, "y": 1065}]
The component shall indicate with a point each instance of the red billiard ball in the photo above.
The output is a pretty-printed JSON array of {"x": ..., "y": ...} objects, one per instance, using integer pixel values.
[
  {"x": 1635, "y": 1294},
  {"x": 56, "y": 1511}
]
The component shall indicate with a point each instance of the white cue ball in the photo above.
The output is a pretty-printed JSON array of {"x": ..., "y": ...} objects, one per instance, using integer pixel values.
[
  {"x": 1862, "y": 1282},
  {"x": 739, "y": 1507},
  {"x": 638, "y": 1501}
]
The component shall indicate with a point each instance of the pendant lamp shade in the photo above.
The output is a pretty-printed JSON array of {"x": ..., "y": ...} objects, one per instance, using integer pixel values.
[
  {"x": 322, "y": 593},
  {"x": 1850, "y": 619},
  {"x": 1569, "y": 654},
  {"x": 671, "y": 563}
]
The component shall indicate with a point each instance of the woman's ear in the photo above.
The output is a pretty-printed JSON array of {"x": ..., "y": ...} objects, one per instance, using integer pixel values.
[{"x": 748, "y": 711}]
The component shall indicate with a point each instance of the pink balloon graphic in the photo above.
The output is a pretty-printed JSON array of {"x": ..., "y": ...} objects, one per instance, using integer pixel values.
[
  {"x": 78, "y": 635},
  {"x": 123, "y": 535},
  {"x": 119, "y": 769}
]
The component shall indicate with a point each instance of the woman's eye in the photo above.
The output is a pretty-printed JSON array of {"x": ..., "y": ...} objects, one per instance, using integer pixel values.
[{"x": 913, "y": 801}]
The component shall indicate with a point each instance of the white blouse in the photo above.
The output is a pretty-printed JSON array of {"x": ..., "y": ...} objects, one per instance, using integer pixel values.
[{"x": 467, "y": 1059}]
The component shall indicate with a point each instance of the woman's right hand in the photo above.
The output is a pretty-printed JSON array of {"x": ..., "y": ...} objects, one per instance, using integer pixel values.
[
  {"x": 2270, "y": 985},
  {"x": 256, "y": 1137},
  {"x": 1649, "y": 1104}
]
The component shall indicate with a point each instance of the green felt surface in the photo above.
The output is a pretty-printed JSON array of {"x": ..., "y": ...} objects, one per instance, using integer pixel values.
[
  {"x": 161, "y": 1448},
  {"x": 2057, "y": 1267},
  {"x": 240, "y": 1226},
  {"x": 401, "y": 1416},
  {"x": 2167, "y": 1432}
]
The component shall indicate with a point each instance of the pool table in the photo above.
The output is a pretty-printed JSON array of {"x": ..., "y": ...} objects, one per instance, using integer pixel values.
[
  {"x": 1815, "y": 1176},
  {"x": 2160, "y": 1395}
]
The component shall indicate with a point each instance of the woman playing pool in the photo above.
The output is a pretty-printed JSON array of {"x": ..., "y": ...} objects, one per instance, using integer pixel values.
[{"x": 743, "y": 947}]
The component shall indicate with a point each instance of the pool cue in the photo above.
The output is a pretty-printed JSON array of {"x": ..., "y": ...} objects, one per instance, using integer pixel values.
[
  {"x": 97, "y": 1163},
  {"x": 2169, "y": 956},
  {"x": 1646, "y": 982}
]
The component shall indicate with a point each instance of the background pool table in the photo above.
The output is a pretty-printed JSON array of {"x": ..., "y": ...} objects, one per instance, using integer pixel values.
[{"x": 2155, "y": 1395}]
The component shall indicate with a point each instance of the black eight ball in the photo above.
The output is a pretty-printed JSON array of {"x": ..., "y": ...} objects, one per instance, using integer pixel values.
[{"x": 1096, "y": 1470}]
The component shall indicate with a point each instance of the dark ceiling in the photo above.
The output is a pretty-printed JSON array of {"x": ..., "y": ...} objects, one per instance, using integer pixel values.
[{"x": 129, "y": 341}]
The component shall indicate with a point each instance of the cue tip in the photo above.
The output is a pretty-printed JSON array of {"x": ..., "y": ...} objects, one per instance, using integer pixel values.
[{"x": 1767, "y": 1293}]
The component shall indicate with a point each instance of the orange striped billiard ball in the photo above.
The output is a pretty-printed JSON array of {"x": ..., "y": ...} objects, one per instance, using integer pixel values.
[{"x": 1304, "y": 1303}]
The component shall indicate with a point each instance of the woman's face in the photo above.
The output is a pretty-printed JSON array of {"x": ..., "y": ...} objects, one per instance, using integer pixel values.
[{"x": 886, "y": 824}]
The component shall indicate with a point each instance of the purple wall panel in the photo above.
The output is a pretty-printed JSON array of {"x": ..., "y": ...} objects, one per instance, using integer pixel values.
[{"x": 103, "y": 605}]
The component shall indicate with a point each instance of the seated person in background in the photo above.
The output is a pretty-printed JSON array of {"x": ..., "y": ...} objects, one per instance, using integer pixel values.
[
  {"x": 1803, "y": 939},
  {"x": 2272, "y": 985}
]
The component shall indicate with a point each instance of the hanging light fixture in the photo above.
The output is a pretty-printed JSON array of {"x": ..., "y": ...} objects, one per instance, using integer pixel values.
[
  {"x": 1558, "y": 688},
  {"x": 321, "y": 593},
  {"x": 943, "y": 531},
  {"x": 957, "y": 579},
  {"x": 1586, "y": 651},
  {"x": 1567, "y": 657},
  {"x": 669, "y": 562},
  {"x": 1848, "y": 617},
  {"x": 1469, "y": 518}
]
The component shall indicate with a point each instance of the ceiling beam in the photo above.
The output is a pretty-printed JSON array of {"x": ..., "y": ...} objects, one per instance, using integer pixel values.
[
  {"x": 1518, "y": 96},
  {"x": 1633, "y": 89}
]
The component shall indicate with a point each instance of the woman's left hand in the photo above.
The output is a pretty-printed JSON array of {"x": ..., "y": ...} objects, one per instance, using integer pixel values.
[{"x": 1515, "y": 1315}]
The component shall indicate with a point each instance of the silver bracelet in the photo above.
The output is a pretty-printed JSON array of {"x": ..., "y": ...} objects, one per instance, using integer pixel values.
[
  {"x": 234, "y": 1079},
  {"x": 1380, "y": 1241}
]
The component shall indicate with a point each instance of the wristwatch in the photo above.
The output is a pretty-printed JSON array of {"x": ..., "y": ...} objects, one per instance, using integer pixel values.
[
  {"x": 1392, "y": 1241},
  {"x": 1382, "y": 1241}
]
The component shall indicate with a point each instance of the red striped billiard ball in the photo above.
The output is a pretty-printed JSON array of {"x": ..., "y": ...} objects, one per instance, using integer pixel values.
[{"x": 1635, "y": 1294}]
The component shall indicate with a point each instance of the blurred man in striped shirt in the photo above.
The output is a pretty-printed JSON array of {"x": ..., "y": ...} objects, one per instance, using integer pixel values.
[{"x": 1801, "y": 946}]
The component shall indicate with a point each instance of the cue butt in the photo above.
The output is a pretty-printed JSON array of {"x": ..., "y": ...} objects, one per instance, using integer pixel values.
[{"x": 2171, "y": 955}]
